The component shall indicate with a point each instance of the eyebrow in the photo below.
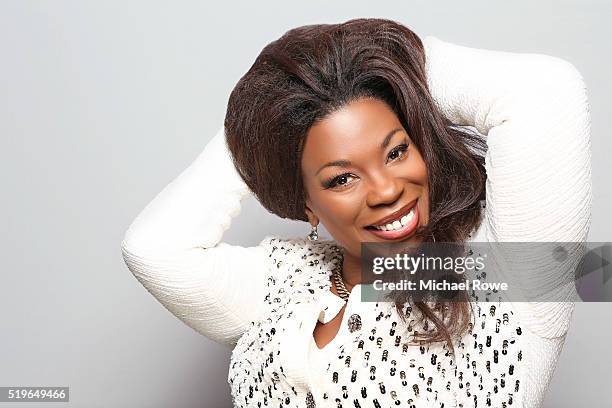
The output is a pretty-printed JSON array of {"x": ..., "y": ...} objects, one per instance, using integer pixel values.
[{"x": 347, "y": 163}]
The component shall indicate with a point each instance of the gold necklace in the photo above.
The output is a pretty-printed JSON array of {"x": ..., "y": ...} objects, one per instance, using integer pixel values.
[{"x": 339, "y": 282}]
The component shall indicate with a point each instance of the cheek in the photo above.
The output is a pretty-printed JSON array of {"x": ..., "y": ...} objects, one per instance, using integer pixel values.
[
  {"x": 418, "y": 169},
  {"x": 338, "y": 213},
  {"x": 339, "y": 216},
  {"x": 415, "y": 173},
  {"x": 418, "y": 174},
  {"x": 333, "y": 210},
  {"x": 420, "y": 177}
]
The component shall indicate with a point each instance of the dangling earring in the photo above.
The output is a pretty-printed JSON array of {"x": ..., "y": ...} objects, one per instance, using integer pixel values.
[{"x": 314, "y": 234}]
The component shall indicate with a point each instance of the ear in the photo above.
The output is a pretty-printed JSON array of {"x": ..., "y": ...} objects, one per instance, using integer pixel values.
[{"x": 312, "y": 218}]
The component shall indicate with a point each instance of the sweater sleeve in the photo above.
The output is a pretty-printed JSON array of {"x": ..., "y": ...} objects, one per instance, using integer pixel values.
[
  {"x": 174, "y": 249},
  {"x": 534, "y": 113}
]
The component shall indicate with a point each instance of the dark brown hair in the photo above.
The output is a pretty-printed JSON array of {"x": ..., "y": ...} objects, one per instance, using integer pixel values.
[{"x": 313, "y": 70}]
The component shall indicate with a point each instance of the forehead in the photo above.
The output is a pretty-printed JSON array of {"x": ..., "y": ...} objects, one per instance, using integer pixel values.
[{"x": 354, "y": 130}]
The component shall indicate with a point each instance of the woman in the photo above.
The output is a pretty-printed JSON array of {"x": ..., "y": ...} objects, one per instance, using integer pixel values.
[{"x": 359, "y": 127}]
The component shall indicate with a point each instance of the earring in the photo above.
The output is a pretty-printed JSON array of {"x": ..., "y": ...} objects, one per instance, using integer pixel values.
[{"x": 314, "y": 234}]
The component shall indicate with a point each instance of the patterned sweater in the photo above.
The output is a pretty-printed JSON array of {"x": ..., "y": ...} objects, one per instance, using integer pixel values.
[{"x": 264, "y": 301}]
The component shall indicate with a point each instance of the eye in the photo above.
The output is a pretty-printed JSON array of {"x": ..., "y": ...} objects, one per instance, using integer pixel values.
[
  {"x": 398, "y": 151},
  {"x": 339, "y": 180},
  {"x": 343, "y": 179}
]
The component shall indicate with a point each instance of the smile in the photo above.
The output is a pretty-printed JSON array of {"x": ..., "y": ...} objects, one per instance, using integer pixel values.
[{"x": 400, "y": 225}]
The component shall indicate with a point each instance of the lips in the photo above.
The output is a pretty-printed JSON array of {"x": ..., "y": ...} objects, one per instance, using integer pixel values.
[
  {"x": 396, "y": 215},
  {"x": 401, "y": 223}
]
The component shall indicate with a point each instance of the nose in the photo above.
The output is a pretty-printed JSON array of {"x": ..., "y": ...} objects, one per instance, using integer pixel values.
[{"x": 384, "y": 189}]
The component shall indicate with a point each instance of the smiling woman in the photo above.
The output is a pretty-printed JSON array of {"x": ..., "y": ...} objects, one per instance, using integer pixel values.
[
  {"x": 362, "y": 140},
  {"x": 319, "y": 82},
  {"x": 385, "y": 173},
  {"x": 360, "y": 126}
]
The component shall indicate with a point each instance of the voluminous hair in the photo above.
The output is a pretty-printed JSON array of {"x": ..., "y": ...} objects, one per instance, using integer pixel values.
[{"x": 312, "y": 71}]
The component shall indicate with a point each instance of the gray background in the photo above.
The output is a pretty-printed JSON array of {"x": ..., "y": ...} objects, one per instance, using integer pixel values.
[{"x": 104, "y": 103}]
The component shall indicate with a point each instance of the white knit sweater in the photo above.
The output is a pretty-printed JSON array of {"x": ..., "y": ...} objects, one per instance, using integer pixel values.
[{"x": 265, "y": 300}]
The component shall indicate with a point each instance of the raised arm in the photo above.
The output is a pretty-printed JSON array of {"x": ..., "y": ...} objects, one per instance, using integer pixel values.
[
  {"x": 174, "y": 249},
  {"x": 534, "y": 112}
]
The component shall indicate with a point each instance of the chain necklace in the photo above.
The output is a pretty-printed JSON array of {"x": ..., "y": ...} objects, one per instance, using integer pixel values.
[{"x": 339, "y": 282}]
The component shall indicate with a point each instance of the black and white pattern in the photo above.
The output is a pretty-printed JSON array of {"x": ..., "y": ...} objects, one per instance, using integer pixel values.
[{"x": 373, "y": 364}]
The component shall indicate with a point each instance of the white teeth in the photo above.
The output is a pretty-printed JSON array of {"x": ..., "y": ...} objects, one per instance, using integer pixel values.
[
  {"x": 397, "y": 224},
  {"x": 410, "y": 214}
]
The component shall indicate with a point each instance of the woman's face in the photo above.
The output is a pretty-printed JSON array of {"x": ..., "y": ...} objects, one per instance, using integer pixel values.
[{"x": 365, "y": 180}]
